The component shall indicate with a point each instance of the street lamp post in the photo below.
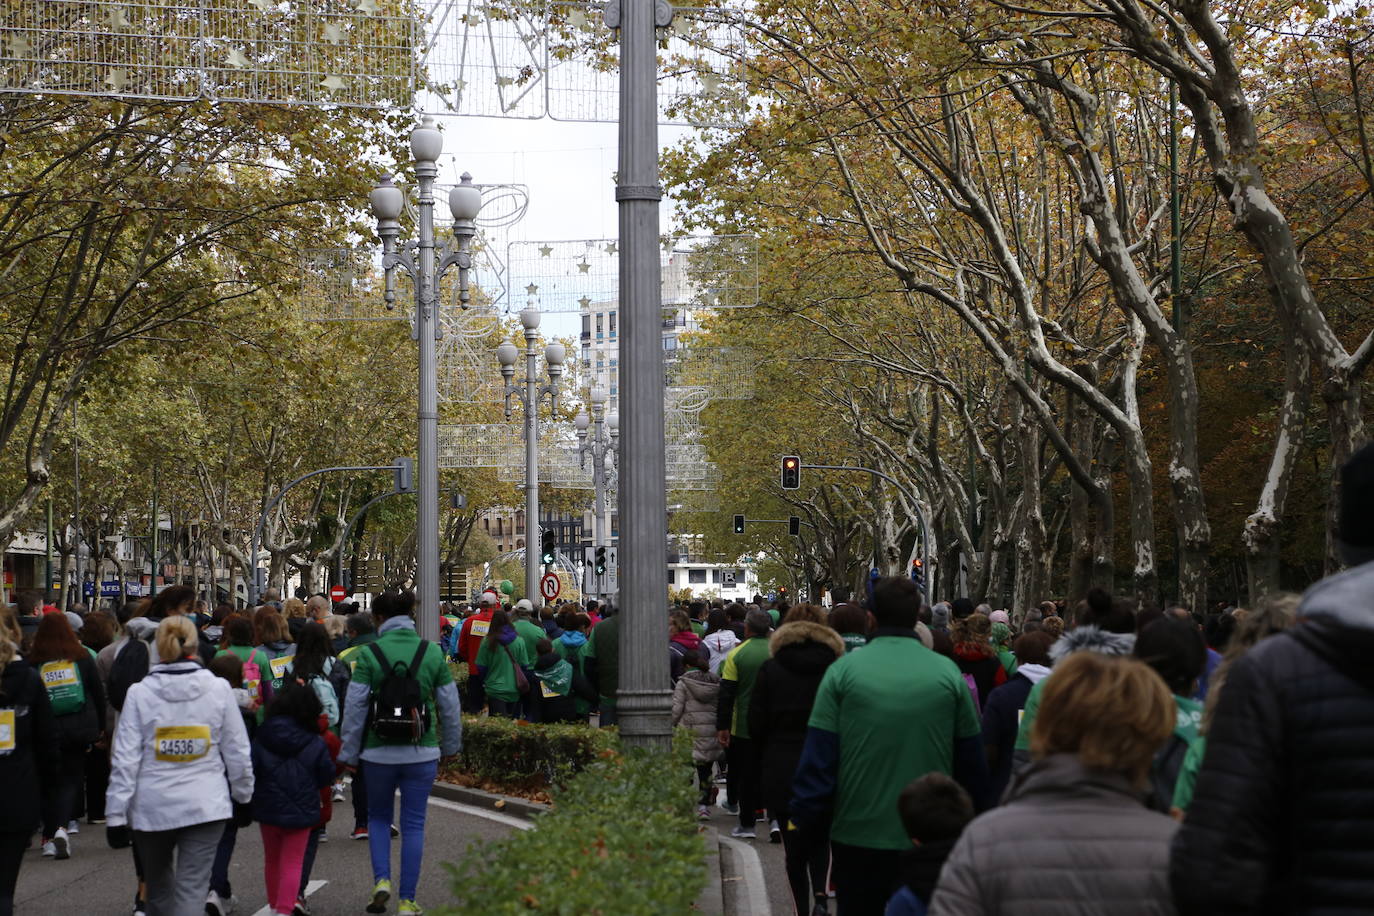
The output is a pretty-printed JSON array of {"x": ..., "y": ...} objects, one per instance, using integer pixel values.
[
  {"x": 597, "y": 436},
  {"x": 426, "y": 262},
  {"x": 529, "y": 396}
]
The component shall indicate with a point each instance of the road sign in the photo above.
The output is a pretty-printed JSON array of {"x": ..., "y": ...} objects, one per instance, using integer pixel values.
[
  {"x": 338, "y": 593},
  {"x": 549, "y": 586}
]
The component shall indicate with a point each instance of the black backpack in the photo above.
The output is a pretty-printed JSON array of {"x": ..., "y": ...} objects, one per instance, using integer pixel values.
[
  {"x": 130, "y": 666},
  {"x": 399, "y": 713}
]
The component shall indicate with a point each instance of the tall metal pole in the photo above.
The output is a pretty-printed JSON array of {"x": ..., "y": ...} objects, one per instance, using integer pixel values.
[
  {"x": 530, "y": 318},
  {"x": 426, "y": 143},
  {"x": 47, "y": 552},
  {"x": 76, "y": 513},
  {"x": 643, "y": 704},
  {"x": 152, "y": 579},
  {"x": 599, "y": 531}
]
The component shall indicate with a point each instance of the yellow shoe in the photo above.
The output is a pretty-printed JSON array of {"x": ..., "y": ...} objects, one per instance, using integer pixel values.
[
  {"x": 409, "y": 908},
  {"x": 381, "y": 893}
]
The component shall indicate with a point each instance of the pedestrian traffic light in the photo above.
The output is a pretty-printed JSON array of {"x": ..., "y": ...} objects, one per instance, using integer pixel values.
[
  {"x": 549, "y": 548},
  {"x": 918, "y": 573},
  {"x": 791, "y": 472},
  {"x": 739, "y": 524},
  {"x": 793, "y": 525},
  {"x": 599, "y": 564}
]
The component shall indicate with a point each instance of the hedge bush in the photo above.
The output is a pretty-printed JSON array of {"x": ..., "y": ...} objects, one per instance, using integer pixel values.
[
  {"x": 523, "y": 757},
  {"x": 621, "y": 840}
]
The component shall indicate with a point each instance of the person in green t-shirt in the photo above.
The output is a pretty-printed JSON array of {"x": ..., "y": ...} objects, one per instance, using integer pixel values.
[
  {"x": 737, "y": 674},
  {"x": 502, "y": 660},
  {"x": 884, "y": 716},
  {"x": 601, "y": 663}
]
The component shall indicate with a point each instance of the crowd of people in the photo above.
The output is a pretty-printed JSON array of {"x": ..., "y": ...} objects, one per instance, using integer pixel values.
[{"x": 1089, "y": 757}]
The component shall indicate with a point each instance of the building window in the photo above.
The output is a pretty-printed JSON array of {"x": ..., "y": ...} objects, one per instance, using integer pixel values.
[
  {"x": 715, "y": 576},
  {"x": 519, "y": 523},
  {"x": 612, "y": 321},
  {"x": 670, "y": 343},
  {"x": 599, "y": 319},
  {"x": 671, "y": 577},
  {"x": 586, "y": 325},
  {"x": 696, "y": 576},
  {"x": 499, "y": 527}
]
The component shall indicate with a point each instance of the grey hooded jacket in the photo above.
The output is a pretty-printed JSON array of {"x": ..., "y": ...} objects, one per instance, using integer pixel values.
[{"x": 1069, "y": 841}]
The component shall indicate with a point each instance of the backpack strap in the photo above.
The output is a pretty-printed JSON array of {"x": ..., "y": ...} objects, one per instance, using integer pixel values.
[
  {"x": 381, "y": 658},
  {"x": 418, "y": 661}
]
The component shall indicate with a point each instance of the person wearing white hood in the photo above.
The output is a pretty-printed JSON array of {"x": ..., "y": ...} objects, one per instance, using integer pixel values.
[
  {"x": 180, "y": 767},
  {"x": 1002, "y": 712}
]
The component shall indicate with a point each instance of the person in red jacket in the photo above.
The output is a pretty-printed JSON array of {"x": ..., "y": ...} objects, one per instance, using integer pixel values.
[{"x": 470, "y": 638}]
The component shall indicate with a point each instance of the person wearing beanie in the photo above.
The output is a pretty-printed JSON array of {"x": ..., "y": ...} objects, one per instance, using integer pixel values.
[
  {"x": 1282, "y": 817},
  {"x": 1000, "y": 617}
]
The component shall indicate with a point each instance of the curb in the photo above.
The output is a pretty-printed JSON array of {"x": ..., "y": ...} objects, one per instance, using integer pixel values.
[
  {"x": 711, "y": 900},
  {"x": 505, "y": 804}
]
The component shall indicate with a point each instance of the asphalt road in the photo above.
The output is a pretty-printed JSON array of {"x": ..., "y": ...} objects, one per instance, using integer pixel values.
[{"x": 99, "y": 881}]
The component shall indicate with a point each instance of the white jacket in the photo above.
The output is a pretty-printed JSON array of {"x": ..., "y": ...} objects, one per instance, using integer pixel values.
[
  {"x": 179, "y": 734},
  {"x": 719, "y": 644}
]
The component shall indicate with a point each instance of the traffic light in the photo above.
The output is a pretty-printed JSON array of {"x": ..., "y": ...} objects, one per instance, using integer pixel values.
[
  {"x": 404, "y": 471},
  {"x": 793, "y": 525},
  {"x": 918, "y": 573},
  {"x": 599, "y": 564},
  {"x": 739, "y": 524},
  {"x": 791, "y": 472},
  {"x": 549, "y": 547}
]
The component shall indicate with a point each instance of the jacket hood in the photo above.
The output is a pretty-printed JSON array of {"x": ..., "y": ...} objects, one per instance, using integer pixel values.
[
  {"x": 687, "y": 639},
  {"x": 1089, "y": 638},
  {"x": 920, "y": 866},
  {"x": 1343, "y": 599},
  {"x": 548, "y": 660},
  {"x": 803, "y": 631},
  {"x": 141, "y": 628},
  {"x": 573, "y": 638},
  {"x": 180, "y": 682},
  {"x": 702, "y": 685},
  {"x": 282, "y": 736},
  {"x": 1033, "y": 673},
  {"x": 1064, "y": 774}
]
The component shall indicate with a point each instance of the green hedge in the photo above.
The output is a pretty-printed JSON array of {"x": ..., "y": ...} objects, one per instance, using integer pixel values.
[
  {"x": 525, "y": 757},
  {"x": 621, "y": 840}
]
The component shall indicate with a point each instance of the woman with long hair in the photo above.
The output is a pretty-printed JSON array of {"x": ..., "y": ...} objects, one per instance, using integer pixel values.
[
  {"x": 312, "y": 664},
  {"x": 29, "y": 758},
  {"x": 180, "y": 727},
  {"x": 975, "y": 656},
  {"x": 77, "y": 698},
  {"x": 501, "y": 660},
  {"x": 274, "y": 639}
]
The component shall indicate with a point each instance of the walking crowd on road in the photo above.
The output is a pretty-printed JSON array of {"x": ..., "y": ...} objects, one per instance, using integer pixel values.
[{"x": 1090, "y": 757}]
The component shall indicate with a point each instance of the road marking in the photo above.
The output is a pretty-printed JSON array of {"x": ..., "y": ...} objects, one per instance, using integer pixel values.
[
  {"x": 751, "y": 868},
  {"x": 309, "y": 889},
  {"x": 510, "y": 821}
]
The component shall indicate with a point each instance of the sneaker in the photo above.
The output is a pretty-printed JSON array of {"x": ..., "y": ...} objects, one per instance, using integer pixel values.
[
  {"x": 729, "y": 808},
  {"x": 394, "y": 832},
  {"x": 140, "y": 908},
  {"x": 215, "y": 905},
  {"x": 73, "y": 827},
  {"x": 740, "y": 833},
  {"x": 703, "y": 812},
  {"x": 323, "y": 835},
  {"x": 300, "y": 909},
  {"x": 359, "y": 833},
  {"x": 381, "y": 893},
  {"x": 49, "y": 849},
  {"x": 774, "y": 832},
  {"x": 409, "y": 908},
  {"x": 62, "y": 847},
  {"x": 821, "y": 909},
  {"x": 338, "y": 791},
  {"x": 95, "y": 821}
]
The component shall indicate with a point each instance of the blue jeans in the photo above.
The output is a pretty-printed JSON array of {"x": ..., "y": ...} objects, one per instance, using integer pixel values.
[{"x": 414, "y": 781}]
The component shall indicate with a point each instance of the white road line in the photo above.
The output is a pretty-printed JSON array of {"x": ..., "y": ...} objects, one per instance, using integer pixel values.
[
  {"x": 309, "y": 889},
  {"x": 507, "y": 819},
  {"x": 751, "y": 870}
]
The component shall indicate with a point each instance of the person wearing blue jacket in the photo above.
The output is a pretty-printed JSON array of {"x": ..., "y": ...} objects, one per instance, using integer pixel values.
[{"x": 290, "y": 765}]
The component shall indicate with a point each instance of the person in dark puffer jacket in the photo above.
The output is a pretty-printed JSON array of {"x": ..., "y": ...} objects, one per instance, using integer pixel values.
[
  {"x": 291, "y": 764},
  {"x": 784, "y": 692},
  {"x": 1281, "y": 817}
]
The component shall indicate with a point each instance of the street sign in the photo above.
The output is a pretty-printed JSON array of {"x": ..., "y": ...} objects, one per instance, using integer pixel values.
[
  {"x": 549, "y": 586},
  {"x": 728, "y": 577},
  {"x": 109, "y": 588},
  {"x": 338, "y": 593}
]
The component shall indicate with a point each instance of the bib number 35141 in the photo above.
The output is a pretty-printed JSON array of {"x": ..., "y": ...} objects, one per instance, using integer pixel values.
[{"x": 181, "y": 743}]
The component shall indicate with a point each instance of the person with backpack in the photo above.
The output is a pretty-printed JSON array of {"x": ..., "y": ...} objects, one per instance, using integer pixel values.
[
  {"x": 77, "y": 699},
  {"x": 238, "y": 631},
  {"x": 181, "y": 762},
  {"x": 29, "y": 756},
  {"x": 291, "y": 763},
  {"x": 275, "y": 641},
  {"x": 399, "y": 683},
  {"x": 559, "y": 687},
  {"x": 502, "y": 662},
  {"x": 313, "y": 665}
]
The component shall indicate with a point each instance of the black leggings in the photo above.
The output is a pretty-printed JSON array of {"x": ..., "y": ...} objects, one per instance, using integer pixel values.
[
  {"x": 60, "y": 800},
  {"x": 704, "y": 783},
  {"x": 808, "y": 865},
  {"x": 12, "y": 846}
]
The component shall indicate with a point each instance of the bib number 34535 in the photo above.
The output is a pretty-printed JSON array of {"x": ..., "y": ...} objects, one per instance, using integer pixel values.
[{"x": 181, "y": 743}]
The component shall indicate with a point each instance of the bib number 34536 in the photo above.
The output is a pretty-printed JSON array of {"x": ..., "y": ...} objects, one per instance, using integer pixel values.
[{"x": 181, "y": 743}]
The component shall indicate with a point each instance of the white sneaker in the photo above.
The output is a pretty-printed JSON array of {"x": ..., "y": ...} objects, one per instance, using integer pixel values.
[
  {"x": 740, "y": 833},
  {"x": 703, "y": 812},
  {"x": 215, "y": 905},
  {"x": 49, "y": 849},
  {"x": 774, "y": 832},
  {"x": 62, "y": 847},
  {"x": 338, "y": 792},
  {"x": 73, "y": 827}
]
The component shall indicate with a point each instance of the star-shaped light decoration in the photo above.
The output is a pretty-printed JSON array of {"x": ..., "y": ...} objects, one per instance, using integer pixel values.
[
  {"x": 333, "y": 33},
  {"x": 332, "y": 82},
  {"x": 117, "y": 79},
  {"x": 545, "y": 250},
  {"x": 583, "y": 266},
  {"x": 584, "y": 302},
  {"x": 611, "y": 248},
  {"x": 460, "y": 85},
  {"x": 368, "y": 6},
  {"x": 532, "y": 288},
  {"x": 116, "y": 17},
  {"x": 238, "y": 59},
  {"x": 577, "y": 20},
  {"x": 710, "y": 81}
]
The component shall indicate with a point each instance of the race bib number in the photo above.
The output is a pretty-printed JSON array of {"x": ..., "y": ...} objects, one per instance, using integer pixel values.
[
  {"x": 480, "y": 627},
  {"x": 59, "y": 674},
  {"x": 6, "y": 731},
  {"x": 548, "y": 692},
  {"x": 181, "y": 743},
  {"x": 279, "y": 666}
]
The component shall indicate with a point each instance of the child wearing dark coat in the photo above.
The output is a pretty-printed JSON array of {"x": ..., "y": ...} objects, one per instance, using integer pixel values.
[{"x": 935, "y": 810}]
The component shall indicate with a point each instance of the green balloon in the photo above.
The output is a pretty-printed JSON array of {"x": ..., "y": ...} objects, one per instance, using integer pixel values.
[{"x": 507, "y": 587}]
